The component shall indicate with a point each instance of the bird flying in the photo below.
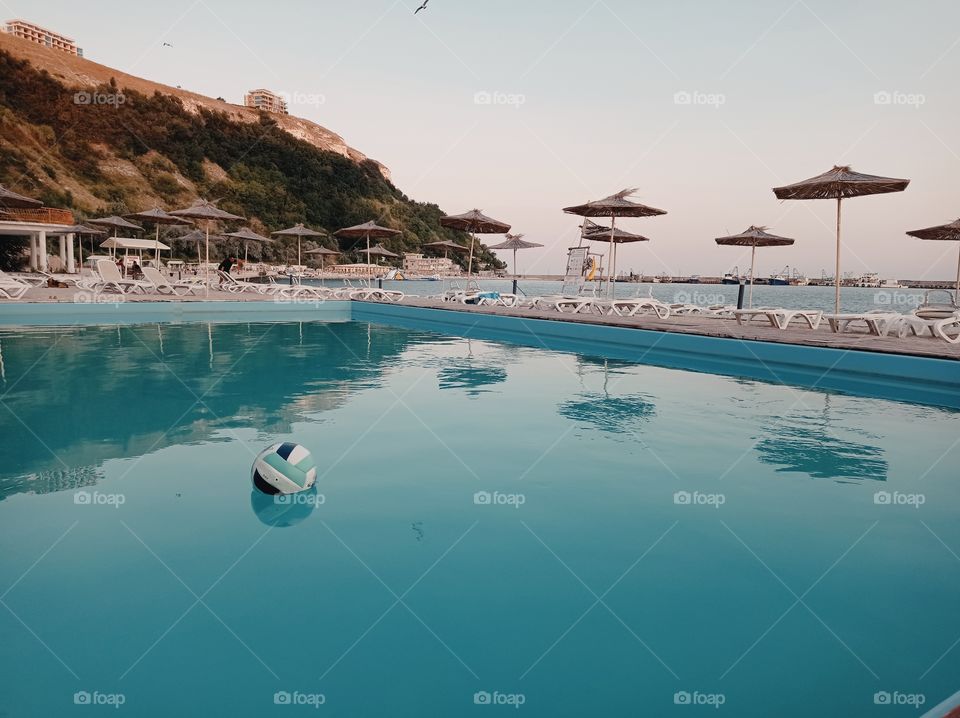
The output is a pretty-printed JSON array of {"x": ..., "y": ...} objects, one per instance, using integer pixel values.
[
  {"x": 422, "y": 7},
  {"x": 167, "y": 44}
]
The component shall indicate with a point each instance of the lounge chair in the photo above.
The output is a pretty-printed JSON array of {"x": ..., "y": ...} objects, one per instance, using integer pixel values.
[
  {"x": 12, "y": 288},
  {"x": 943, "y": 326},
  {"x": 779, "y": 318},
  {"x": 877, "y": 322},
  {"x": 110, "y": 278},
  {"x": 164, "y": 286},
  {"x": 236, "y": 286},
  {"x": 631, "y": 307},
  {"x": 374, "y": 294}
]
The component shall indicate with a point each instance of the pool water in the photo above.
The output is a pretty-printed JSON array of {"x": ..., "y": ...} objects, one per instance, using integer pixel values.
[{"x": 494, "y": 528}]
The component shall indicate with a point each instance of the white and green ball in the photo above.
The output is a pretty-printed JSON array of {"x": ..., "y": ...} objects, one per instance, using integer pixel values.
[{"x": 284, "y": 469}]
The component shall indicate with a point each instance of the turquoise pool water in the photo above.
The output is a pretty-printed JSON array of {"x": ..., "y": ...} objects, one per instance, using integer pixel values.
[{"x": 494, "y": 528}]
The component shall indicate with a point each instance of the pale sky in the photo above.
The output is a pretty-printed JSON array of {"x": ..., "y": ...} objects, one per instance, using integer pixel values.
[{"x": 583, "y": 101}]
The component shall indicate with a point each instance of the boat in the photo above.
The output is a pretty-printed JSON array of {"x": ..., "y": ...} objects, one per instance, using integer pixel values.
[
  {"x": 782, "y": 279},
  {"x": 798, "y": 280},
  {"x": 731, "y": 277},
  {"x": 870, "y": 280},
  {"x": 890, "y": 284}
]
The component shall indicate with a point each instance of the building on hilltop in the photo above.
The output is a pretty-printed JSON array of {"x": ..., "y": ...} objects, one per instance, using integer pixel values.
[
  {"x": 41, "y": 36},
  {"x": 266, "y": 100}
]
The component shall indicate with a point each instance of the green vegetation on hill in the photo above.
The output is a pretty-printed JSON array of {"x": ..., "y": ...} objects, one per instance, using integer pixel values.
[{"x": 144, "y": 150}]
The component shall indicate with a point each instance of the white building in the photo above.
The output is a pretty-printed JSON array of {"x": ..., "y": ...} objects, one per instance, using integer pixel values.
[
  {"x": 419, "y": 264},
  {"x": 42, "y": 36}
]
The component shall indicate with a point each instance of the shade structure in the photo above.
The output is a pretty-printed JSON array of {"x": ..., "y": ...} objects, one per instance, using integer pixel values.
[
  {"x": 380, "y": 251},
  {"x": 612, "y": 235},
  {"x": 945, "y": 233},
  {"x": 447, "y": 246},
  {"x": 322, "y": 252},
  {"x": 515, "y": 242},
  {"x": 11, "y": 200},
  {"x": 80, "y": 230},
  {"x": 616, "y": 205},
  {"x": 299, "y": 231},
  {"x": 117, "y": 223},
  {"x": 157, "y": 216},
  {"x": 475, "y": 222},
  {"x": 207, "y": 212},
  {"x": 247, "y": 235},
  {"x": 199, "y": 237},
  {"x": 366, "y": 231},
  {"x": 754, "y": 236},
  {"x": 840, "y": 183}
]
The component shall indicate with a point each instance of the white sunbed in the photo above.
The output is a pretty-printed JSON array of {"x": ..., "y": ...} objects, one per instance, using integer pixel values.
[
  {"x": 236, "y": 286},
  {"x": 12, "y": 288},
  {"x": 779, "y": 318},
  {"x": 878, "y": 323},
  {"x": 110, "y": 278},
  {"x": 375, "y": 294},
  {"x": 632, "y": 307},
  {"x": 940, "y": 329},
  {"x": 163, "y": 285}
]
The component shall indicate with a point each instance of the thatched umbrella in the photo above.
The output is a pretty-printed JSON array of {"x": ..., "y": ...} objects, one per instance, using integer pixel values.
[
  {"x": 117, "y": 223},
  {"x": 80, "y": 230},
  {"x": 515, "y": 242},
  {"x": 157, "y": 216},
  {"x": 753, "y": 237},
  {"x": 945, "y": 233},
  {"x": 322, "y": 252},
  {"x": 446, "y": 245},
  {"x": 247, "y": 235},
  {"x": 840, "y": 183},
  {"x": 366, "y": 231},
  {"x": 612, "y": 235},
  {"x": 378, "y": 251},
  {"x": 11, "y": 200},
  {"x": 298, "y": 231},
  {"x": 474, "y": 222},
  {"x": 198, "y": 236},
  {"x": 616, "y": 205},
  {"x": 208, "y": 212}
]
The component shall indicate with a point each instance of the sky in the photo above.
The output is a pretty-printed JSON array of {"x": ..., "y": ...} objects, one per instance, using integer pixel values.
[{"x": 522, "y": 107}]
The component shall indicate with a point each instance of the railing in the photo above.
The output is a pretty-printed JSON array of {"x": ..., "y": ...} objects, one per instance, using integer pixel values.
[{"x": 41, "y": 215}]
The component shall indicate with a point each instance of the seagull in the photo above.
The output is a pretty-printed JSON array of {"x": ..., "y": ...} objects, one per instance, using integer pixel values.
[{"x": 422, "y": 7}]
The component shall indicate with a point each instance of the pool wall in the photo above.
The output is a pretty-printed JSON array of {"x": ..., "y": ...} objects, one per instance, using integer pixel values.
[
  {"x": 889, "y": 376},
  {"x": 899, "y": 377}
]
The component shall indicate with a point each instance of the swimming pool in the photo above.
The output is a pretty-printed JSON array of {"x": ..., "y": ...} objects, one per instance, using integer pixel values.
[{"x": 494, "y": 526}]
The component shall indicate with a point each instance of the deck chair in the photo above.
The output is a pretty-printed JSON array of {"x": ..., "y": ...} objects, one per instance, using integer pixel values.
[
  {"x": 110, "y": 278},
  {"x": 164, "y": 286},
  {"x": 12, "y": 288}
]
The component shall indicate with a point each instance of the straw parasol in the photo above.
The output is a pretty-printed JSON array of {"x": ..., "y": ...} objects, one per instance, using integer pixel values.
[
  {"x": 616, "y": 205},
  {"x": 754, "y": 236},
  {"x": 945, "y": 233},
  {"x": 198, "y": 236},
  {"x": 474, "y": 222},
  {"x": 446, "y": 245},
  {"x": 322, "y": 252},
  {"x": 366, "y": 231},
  {"x": 614, "y": 236},
  {"x": 117, "y": 223},
  {"x": 80, "y": 230},
  {"x": 11, "y": 200},
  {"x": 840, "y": 183},
  {"x": 299, "y": 231},
  {"x": 208, "y": 212},
  {"x": 157, "y": 216},
  {"x": 515, "y": 242},
  {"x": 247, "y": 235}
]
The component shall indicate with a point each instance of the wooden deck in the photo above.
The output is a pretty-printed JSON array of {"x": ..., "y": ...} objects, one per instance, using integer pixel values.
[{"x": 757, "y": 330}]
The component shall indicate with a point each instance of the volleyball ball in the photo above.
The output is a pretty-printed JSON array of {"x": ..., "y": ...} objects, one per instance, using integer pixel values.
[{"x": 284, "y": 469}]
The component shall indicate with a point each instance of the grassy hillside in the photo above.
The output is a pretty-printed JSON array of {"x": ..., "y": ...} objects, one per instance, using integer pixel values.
[{"x": 113, "y": 151}]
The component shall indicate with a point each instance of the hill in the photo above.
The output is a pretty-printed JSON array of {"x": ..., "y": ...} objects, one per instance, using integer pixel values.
[{"x": 101, "y": 142}]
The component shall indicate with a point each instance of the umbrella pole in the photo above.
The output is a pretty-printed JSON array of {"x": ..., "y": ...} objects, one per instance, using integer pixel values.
[
  {"x": 836, "y": 275},
  {"x": 470, "y": 261},
  {"x": 156, "y": 247},
  {"x": 956, "y": 291},
  {"x": 298, "y": 253},
  {"x": 515, "y": 272},
  {"x": 753, "y": 256},
  {"x": 206, "y": 268},
  {"x": 613, "y": 224}
]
